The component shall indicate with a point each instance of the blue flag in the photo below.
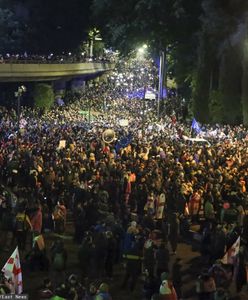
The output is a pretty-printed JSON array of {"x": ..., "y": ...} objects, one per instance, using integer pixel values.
[
  {"x": 196, "y": 126},
  {"x": 124, "y": 142}
]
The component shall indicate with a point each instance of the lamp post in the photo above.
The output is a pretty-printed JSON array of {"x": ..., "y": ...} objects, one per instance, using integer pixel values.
[
  {"x": 18, "y": 94},
  {"x": 143, "y": 109},
  {"x": 160, "y": 83},
  {"x": 140, "y": 55},
  {"x": 94, "y": 35}
]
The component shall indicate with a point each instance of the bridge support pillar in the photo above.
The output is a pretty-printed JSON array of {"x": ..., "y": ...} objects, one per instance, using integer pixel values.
[{"x": 78, "y": 84}]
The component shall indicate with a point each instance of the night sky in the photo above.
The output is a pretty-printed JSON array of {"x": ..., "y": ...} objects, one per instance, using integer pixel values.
[{"x": 42, "y": 26}]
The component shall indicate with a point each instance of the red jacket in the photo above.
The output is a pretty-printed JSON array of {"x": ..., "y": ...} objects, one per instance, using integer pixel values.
[{"x": 36, "y": 221}]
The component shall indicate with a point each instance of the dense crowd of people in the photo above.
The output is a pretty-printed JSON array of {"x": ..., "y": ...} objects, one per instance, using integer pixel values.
[
  {"x": 26, "y": 58},
  {"x": 131, "y": 199}
]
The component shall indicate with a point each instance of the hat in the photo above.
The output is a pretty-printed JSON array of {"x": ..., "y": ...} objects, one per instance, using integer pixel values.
[
  {"x": 164, "y": 276},
  {"x": 104, "y": 287}
]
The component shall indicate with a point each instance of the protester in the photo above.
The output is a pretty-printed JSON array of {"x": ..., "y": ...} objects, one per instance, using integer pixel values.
[
  {"x": 119, "y": 193},
  {"x": 103, "y": 293}
]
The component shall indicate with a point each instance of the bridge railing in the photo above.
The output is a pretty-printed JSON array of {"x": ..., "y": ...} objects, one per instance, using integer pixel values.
[{"x": 55, "y": 61}]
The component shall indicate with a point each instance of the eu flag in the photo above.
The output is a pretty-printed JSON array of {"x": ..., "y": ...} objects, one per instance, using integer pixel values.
[
  {"x": 196, "y": 126},
  {"x": 124, "y": 142}
]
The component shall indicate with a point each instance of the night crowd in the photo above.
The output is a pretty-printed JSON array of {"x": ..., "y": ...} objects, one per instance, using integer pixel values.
[
  {"x": 131, "y": 200},
  {"x": 63, "y": 58}
]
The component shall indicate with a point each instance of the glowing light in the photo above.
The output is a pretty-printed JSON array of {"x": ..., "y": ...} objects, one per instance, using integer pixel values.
[{"x": 142, "y": 49}]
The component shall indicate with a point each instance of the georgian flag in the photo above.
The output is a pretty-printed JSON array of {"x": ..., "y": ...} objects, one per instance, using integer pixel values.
[
  {"x": 232, "y": 253},
  {"x": 12, "y": 270},
  {"x": 23, "y": 123}
]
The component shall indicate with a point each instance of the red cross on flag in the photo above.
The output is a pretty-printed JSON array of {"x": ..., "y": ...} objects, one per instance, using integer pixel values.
[
  {"x": 232, "y": 253},
  {"x": 12, "y": 271}
]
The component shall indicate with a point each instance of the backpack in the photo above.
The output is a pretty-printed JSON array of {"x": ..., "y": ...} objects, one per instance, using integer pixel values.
[{"x": 59, "y": 262}]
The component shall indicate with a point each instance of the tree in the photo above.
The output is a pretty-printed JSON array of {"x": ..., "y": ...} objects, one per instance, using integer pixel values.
[
  {"x": 218, "y": 67},
  {"x": 166, "y": 25},
  {"x": 43, "y": 96},
  {"x": 11, "y": 29},
  {"x": 52, "y": 26},
  {"x": 245, "y": 77},
  {"x": 127, "y": 24}
]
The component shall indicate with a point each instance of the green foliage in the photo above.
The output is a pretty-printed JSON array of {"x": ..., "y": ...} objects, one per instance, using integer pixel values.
[
  {"x": 43, "y": 96},
  {"x": 201, "y": 96},
  {"x": 11, "y": 29},
  {"x": 129, "y": 23},
  {"x": 230, "y": 86},
  {"x": 201, "y": 82},
  {"x": 167, "y": 25},
  {"x": 216, "y": 107},
  {"x": 55, "y": 26},
  {"x": 218, "y": 80},
  {"x": 244, "y": 83},
  {"x": 98, "y": 48}
]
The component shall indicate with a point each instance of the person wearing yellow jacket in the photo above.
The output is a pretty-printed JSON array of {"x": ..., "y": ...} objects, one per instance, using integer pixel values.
[{"x": 22, "y": 226}]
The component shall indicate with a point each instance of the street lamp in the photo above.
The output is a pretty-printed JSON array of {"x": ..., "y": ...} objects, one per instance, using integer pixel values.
[
  {"x": 94, "y": 35},
  {"x": 141, "y": 52},
  {"x": 18, "y": 94},
  {"x": 143, "y": 109}
]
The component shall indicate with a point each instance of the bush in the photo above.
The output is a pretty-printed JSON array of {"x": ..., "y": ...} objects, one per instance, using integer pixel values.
[{"x": 43, "y": 96}]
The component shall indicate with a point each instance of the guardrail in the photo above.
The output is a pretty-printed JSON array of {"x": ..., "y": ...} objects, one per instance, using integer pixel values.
[
  {"x": 45, "y": 71},
  {"x": 55, "y": 61}
]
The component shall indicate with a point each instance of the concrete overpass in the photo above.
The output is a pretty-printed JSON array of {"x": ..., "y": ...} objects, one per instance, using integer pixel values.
[{"x": 23, "y": 72}]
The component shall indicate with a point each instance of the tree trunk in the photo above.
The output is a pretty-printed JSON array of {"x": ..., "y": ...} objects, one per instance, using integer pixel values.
[
  {"x": 245, "y": 82},
  {"x": 202, "y": 83},
  {"x": 230, "y": 86}
]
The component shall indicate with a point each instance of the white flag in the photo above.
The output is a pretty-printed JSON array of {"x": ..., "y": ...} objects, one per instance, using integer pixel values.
[
  {"x": 232, "y": 253},
  {"x": 12, "y": 270},
  {"x": 160, "y": 206}
]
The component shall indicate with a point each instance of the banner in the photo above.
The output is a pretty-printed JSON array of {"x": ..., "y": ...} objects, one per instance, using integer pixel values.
[
  {"x": 232, "y": 253},
  {"x": 62, "y": 144},
  {"x": 123, "y": 122},
  {"x": 12, "y": 271}
]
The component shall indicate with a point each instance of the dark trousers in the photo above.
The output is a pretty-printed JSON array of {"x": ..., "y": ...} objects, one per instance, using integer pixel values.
[
  {"x": 173, "y": 243},
  {"x": 21, "y": 237},
  {"x": 132, "y": 273},
  {"x": 109, "y": 267},
  {"x": 132, "y": 277}
]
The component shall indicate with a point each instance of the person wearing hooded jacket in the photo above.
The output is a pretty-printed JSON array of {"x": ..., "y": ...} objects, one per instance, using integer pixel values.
[{"x": 103, "y": 293}]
